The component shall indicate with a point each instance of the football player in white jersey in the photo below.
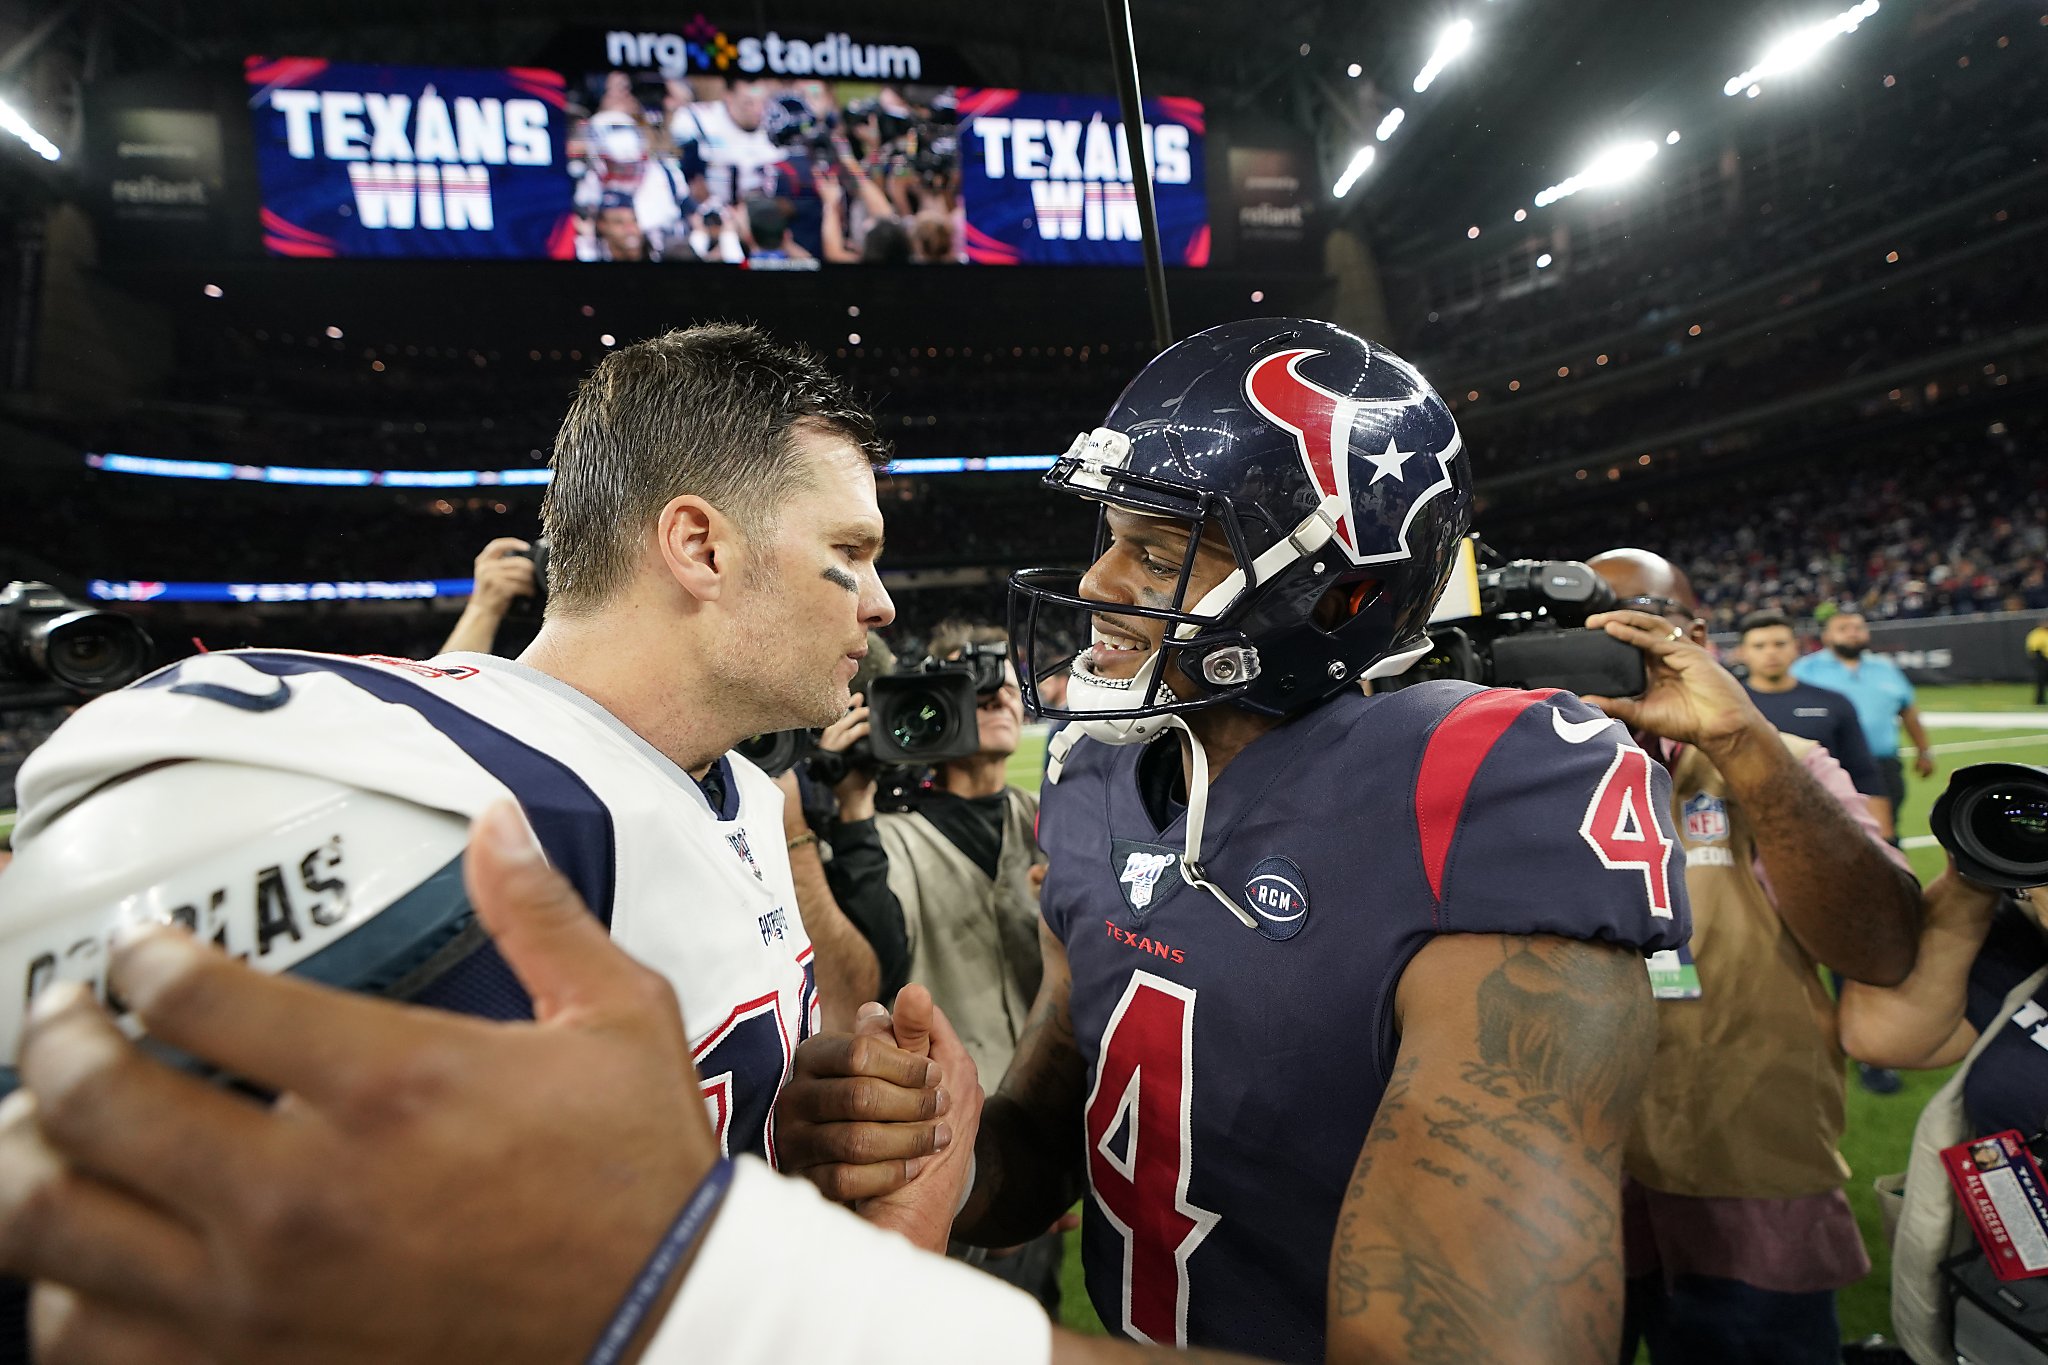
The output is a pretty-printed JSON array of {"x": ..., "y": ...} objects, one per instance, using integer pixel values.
[
  {"x": 714, "y": 532},
  {"x": 731, "y": 134}
]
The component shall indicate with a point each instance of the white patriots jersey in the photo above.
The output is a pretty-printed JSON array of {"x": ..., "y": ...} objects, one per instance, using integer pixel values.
[
  {"x": 735, "y": 158},
  {"x": 703, "y": 896}
]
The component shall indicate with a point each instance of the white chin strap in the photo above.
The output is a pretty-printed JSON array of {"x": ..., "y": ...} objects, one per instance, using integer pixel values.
[
  {"x": 1147, "y": 727},
  {"x": 1088, "y": 690}
]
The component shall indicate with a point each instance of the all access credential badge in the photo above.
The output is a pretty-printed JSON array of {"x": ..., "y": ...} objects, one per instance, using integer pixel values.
[
  {"x": 1673, "y": 974},
  {"x": 1998, "y": 1183}
]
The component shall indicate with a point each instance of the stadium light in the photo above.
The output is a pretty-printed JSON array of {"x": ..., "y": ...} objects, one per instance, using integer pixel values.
[
  {"x": 1390, "y": 123},
  {"x": 1797, "y": 48},
  {"x": 1354, "y": 71},
  {"x": 1449, "y": 44},
  {"x": 1358, "y": 167},
  {"x": 1611, "y": 167},
  {"x": 14, "y": 123}
]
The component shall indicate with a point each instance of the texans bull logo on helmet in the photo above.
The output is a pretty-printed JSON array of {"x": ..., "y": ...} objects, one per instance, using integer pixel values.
[{"x": 1321, "y": 423}]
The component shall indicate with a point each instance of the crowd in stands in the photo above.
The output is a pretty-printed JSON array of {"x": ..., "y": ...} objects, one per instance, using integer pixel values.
[{"x": 1929, "y": 524}]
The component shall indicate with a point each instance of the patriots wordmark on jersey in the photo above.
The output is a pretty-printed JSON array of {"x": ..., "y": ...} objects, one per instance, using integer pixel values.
[
  {"x": 1233, "y": 1071},
  {"x": 701, "y": 895}
]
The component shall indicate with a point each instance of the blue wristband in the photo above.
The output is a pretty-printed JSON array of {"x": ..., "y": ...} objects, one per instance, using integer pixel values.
[{"x": 653, "y": 1277}]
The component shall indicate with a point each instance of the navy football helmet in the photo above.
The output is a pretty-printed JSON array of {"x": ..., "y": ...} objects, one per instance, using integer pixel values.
[{"x": 1338, "y": 481}]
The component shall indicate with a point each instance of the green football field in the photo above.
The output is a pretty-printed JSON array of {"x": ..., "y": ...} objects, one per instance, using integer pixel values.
[{"x": 1880, "y": 1128}]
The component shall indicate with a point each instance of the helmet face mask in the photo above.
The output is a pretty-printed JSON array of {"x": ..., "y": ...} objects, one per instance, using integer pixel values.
[{"x": 1340, "y": 509}]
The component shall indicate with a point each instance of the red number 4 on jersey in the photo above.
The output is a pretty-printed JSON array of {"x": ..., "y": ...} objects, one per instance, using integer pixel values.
[{"x": 1621, "y": 826}]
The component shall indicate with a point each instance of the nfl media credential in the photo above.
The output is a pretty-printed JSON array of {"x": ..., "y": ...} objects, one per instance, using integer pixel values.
[{"x": 1706, "y": 827}]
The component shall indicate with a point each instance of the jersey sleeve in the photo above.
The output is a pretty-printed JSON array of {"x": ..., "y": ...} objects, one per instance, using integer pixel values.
[
  {"x": 276, "y": 710},
  {"x": 1536, "y": 814}
]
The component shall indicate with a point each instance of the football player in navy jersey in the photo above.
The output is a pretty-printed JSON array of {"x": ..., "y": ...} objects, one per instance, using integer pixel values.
[{"x": 1344, "y": 1011}]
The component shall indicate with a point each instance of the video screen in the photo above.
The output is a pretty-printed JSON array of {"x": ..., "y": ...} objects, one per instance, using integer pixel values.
[{"x": 768, "y": 174}]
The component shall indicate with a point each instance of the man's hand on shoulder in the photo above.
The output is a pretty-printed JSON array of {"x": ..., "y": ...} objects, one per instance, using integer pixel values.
[
  {"x": 427, "y": 1187},
  {"x": 1483, "y": 1220}
]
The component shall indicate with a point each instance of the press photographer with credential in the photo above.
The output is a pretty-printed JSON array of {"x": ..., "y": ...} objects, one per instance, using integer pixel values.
[{"x": 1976, "y": 1000}]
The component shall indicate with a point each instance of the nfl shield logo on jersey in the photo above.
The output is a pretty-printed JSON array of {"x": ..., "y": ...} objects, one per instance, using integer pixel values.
[
  {"x": 1141, "y": 875},
  {"x": 1706, "y": 819},
  {"x": 1146, "y": 874},
  {"x": 738, "y": 840},
  {"x": 1278, "y": 895}
]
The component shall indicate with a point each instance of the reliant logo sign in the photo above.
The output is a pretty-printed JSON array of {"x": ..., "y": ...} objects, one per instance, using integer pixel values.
[{"x": 703, "y": 47}]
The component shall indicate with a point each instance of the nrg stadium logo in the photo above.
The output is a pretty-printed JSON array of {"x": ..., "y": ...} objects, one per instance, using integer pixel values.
[{"x": 703, "y": 48}]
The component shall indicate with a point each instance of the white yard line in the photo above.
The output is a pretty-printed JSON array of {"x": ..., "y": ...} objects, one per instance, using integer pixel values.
[
  {"x": 1962, "y": 746},
  {"x": 1989, "y": 720}
]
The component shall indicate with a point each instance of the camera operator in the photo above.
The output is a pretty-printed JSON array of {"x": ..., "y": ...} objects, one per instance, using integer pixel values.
[
  {"x": 1975, "y": 1001},
  {"x": 1736, "y": 1231},
  {"x": 1972, "y": 999},
  {"x": 504, "y": 571},
  {"x": 953, "y": 868}
]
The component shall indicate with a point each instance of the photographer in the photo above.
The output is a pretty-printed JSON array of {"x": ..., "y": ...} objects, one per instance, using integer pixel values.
[
  {"x": 953, "y": 868},
  {"x": 1736, "y": 1231},
  {"x": 504, "y": 571},
  {"x": 1975, "y": 997}
]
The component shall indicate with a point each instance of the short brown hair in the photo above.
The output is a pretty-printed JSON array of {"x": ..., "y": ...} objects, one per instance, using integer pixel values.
[
  {"x": 1764, "y": 620},
  {"x": 708, "y": 410}
]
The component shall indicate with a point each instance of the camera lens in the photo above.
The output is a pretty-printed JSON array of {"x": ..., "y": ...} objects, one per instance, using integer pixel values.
[
  {"x": 920, "y": 725},
  {"x": 92, "y": 651},
  {"x": 2010, "y": 823},
  {"x": 774, "y": 753}
]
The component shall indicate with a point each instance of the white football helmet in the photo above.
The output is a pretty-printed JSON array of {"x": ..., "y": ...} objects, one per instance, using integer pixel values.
[{"x": 286, "y": 871}]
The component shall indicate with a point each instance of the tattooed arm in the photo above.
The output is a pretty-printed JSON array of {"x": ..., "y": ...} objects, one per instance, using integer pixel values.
[
  {"x": 1818, "y": 858},
  {"x": 1483, "y": 1223},
  {"x": 1027, "y": 1159}
]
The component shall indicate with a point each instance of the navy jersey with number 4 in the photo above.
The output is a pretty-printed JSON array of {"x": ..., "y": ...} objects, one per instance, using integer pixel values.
[{"x": 1233, "y": 1072}]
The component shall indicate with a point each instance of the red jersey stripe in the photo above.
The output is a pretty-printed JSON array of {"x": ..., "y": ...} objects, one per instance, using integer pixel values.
[{"x": 1458, "y": 745}]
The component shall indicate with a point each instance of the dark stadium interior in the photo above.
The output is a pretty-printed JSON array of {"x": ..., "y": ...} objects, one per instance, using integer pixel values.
[{"x": 1719, "y": 357}]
